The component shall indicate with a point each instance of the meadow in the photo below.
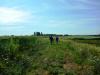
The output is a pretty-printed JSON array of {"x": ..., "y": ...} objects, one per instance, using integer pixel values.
[{"x": 34, "y": 55}]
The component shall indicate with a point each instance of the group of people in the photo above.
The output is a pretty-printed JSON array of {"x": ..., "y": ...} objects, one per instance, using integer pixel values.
[{"x": 52, "y": 39}]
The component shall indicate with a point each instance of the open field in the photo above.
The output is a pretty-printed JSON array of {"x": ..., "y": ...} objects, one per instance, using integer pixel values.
[
  {"x": 29, "y": 55},
  {"x": 93, "y": 40}
]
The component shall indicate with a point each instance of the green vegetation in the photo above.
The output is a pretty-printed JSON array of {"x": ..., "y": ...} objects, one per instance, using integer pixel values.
[
  {"x": 29, "y": 55},
  {"x": 93, "y": 41}
]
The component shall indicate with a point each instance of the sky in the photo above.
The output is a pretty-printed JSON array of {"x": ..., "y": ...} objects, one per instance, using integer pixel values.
[{"x": 24, "y": 17}]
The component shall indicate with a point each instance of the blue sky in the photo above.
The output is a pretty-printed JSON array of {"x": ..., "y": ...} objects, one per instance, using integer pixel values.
[{"x": 22, "y": 17}]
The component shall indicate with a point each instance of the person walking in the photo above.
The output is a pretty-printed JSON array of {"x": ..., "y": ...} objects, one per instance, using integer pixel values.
[
  {"x": 51, "y": 39},
  {"x": 57, "y": 39}
]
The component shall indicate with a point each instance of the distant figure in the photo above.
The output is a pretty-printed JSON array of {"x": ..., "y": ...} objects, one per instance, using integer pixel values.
[
  {"x": 57, "y": 39},
  {"x": 51, "y": 39}
]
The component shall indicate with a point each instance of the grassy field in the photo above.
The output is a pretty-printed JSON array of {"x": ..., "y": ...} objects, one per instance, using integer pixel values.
[{"x": 29, "y": 55}]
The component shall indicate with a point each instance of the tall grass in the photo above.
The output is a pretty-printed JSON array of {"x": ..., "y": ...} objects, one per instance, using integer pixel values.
[
  {"x": 30, "y": 55},
  {"x": 14, "y": 55}
]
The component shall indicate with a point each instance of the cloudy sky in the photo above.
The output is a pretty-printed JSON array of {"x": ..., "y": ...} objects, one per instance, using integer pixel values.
[{"x": 49, "y": 16}]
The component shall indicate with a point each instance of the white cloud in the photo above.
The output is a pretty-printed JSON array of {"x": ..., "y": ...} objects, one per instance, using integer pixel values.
[{"x": 11, "y": 15}]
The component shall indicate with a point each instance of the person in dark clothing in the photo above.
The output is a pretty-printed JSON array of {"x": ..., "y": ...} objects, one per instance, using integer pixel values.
[
  {"x": 57, "y": 39},
  {"x": 51, "y": 39}
]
